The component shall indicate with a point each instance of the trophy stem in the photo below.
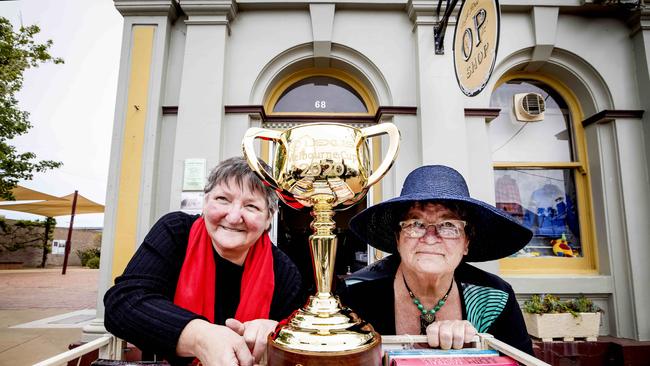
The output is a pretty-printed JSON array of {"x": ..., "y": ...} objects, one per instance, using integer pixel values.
[{"x": 323, "y": 244}]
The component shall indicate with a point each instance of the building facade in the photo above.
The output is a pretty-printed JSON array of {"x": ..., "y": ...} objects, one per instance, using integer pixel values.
[{"x": 558, "y": 137}]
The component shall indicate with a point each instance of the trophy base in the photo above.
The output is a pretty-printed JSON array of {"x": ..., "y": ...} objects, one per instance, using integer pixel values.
[{"x": 367, "y": 355}]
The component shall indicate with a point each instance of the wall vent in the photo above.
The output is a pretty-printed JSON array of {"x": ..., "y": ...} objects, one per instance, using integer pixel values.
[{"x": 529, "y": 107}]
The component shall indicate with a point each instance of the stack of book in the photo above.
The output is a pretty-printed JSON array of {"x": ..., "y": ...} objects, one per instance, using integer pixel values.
[{"x": 461, "y": 357}]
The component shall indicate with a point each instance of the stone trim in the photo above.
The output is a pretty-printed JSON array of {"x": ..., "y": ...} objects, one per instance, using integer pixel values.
[
  {"x": 608, "y": 115},
  {"x": 259, "y": 110}
]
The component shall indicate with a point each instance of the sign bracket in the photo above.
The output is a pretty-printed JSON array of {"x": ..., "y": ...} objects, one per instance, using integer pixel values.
[{"x": 441, "y": 26}]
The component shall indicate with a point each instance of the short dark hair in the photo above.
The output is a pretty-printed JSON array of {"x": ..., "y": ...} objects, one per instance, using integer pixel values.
[{"x": 237, "y": 168}]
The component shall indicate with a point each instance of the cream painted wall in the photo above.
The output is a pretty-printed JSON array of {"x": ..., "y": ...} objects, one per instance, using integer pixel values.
[
  {"x": 255, "y": 40},
  {"x": 385, "y": 38}
]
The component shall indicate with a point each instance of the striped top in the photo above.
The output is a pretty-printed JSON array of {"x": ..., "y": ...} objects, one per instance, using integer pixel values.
[{"x": 483, "y": 305}]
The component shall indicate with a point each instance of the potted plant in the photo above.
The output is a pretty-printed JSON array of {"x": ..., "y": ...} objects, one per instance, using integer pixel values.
[{"x": 548, "y": 317}]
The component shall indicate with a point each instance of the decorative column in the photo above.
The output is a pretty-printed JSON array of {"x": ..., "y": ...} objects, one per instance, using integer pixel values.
[
  {"x": 618, "y": 165},
  {"x": 199, "y": 131},
  {"x": 631, "y": 144},
  {"x": 440, "y": 101},
  {"x": 480, "y": 169},
  {"x": 133, "y": 147}
]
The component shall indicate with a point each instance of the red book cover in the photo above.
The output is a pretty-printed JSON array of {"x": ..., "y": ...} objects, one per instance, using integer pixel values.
[{"x": 455, "y": 361}]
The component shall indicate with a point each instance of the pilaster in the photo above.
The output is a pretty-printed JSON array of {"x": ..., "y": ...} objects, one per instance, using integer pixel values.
[
  {"x": 636, "y": 178},
  {"x": 199, "y": 130},
  {"x": 439, "y": 99},
  {"x": 133, "y": 148}
]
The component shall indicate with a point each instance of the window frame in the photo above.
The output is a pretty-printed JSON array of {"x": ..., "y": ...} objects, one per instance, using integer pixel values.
[
  {"x": 285, "y": 83},
  {"x": 588, "y": 263}
]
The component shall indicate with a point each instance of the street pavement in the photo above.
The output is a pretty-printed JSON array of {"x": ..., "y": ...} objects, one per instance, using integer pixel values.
[{"x": 30, "y": 295}]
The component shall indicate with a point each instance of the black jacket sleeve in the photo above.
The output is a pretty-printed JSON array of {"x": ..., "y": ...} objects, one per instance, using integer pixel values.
[{"x": 140, "y": 308}]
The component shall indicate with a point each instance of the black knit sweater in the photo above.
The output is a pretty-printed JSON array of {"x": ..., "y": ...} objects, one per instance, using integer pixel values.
[{"x": 140, "y": 308}]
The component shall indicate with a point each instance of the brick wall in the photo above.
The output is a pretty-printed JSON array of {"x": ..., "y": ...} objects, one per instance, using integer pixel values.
[{"x": 82, "y": 238}]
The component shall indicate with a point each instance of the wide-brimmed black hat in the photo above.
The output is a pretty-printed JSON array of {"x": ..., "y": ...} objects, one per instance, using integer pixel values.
[{"x": 496, "y": 234}]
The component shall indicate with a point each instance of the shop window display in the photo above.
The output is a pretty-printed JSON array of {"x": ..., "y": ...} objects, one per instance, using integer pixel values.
[
  {"x": 544, "y": 201},
  {"x": 535, "y": 174}
]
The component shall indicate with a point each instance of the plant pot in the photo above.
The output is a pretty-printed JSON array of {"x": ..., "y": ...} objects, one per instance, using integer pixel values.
[{"x": 564, "y": 325}]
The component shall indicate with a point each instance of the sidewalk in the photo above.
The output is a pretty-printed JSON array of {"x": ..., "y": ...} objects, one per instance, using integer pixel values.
[{"x": 29, "y": 295}]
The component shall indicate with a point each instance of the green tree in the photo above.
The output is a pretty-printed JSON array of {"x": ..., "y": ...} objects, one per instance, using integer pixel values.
[{"x": 18, "y": 52}]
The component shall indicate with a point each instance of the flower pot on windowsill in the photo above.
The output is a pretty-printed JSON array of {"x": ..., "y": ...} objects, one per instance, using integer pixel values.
[
  {"x": 563, "y": 325},
  {"x": 548, "y": 317}
]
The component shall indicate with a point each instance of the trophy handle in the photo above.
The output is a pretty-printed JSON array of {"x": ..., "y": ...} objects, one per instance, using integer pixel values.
[
  {"x": 393, "y": 148},
  {"x": 249, "y": 151}
]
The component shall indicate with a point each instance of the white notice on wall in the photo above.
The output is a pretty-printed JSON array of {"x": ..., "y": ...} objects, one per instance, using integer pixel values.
[
  {"x": 58, "y": 247},
  {"x": 194, "y": 175}
]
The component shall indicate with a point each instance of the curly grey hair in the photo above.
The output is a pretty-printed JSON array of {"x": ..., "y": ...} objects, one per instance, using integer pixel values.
[{"x": 237, "y": 168}]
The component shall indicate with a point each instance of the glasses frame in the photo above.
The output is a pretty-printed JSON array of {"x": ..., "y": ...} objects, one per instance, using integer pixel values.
[{"x": 407, "y": 223}]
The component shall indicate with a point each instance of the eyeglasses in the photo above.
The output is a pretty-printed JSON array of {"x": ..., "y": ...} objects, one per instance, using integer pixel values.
[{"x": 446, "y": 229}]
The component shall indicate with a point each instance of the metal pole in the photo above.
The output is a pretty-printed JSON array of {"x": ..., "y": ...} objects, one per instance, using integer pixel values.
[{"x": 68, "y": 243}]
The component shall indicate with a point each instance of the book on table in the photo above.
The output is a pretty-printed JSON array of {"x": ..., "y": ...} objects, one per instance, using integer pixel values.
[
  {"x": 454, "y": 360},
  {"x": 423, "y": 356}
]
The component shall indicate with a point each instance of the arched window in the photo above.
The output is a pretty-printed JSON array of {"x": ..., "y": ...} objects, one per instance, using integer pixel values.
[
  {"x": 540, "y": 174},
  {"x": 320, "y": 91},
  {"x": 320, "y": 94}
]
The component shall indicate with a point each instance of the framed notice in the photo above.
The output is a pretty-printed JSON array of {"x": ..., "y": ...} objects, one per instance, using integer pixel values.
[{"x": 194, "y": 174}]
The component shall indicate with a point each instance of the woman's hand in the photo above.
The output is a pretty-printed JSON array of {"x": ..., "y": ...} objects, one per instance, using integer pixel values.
[
  {"x": 448, "y": 334},
  {"x": 213, "y": 345},
  {"x": 255, "y": 333}
]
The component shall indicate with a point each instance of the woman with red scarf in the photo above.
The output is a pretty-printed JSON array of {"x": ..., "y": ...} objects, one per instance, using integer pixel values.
[{"x": 208, "y": 287}]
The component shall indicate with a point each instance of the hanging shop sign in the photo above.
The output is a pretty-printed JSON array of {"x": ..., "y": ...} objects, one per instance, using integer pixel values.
[{"x": 476, "y": 40}]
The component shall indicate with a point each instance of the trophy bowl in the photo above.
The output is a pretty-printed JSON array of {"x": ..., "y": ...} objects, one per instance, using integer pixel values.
[{"x": 324, "y": 167}]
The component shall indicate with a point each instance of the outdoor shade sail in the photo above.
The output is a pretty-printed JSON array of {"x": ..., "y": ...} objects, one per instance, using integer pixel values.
[
  {"x": 59, "y": 207},
  {"x": 25, "y": 194}
]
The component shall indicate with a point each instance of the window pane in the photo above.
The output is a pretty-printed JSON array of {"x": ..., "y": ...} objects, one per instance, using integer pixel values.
[
  {"x": 542, "y": 141},
  {"x": 320, "y": 94},
  {"x": 544, "y": 200}
]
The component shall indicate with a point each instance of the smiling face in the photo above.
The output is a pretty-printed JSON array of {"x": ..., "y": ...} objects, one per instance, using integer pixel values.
[
  {"x": 235, "y": 217},
  {"x": 431, "y": 254}
]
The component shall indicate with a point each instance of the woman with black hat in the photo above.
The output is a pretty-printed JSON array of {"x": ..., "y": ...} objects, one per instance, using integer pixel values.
[{"x": 426, "y": 287}]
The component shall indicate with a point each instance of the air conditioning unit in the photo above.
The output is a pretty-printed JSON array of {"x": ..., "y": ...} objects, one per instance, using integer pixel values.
[{"x": 529, "y": 107}]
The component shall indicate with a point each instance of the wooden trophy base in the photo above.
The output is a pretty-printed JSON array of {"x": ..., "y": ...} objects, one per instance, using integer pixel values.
[{"x": 368, "y": 355}]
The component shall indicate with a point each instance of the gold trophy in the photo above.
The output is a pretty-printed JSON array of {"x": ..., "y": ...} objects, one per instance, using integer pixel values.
[{"x": 325, "y": 167}]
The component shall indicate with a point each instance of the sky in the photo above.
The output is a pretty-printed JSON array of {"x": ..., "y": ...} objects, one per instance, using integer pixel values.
[{"x": 71, "y": 105}]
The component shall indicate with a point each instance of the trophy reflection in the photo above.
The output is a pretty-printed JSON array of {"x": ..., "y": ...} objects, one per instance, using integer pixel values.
[{"x": 325, "y": 167}]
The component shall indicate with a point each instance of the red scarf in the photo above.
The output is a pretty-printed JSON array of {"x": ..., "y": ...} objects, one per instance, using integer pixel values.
[{"x": 196, "y": 284}]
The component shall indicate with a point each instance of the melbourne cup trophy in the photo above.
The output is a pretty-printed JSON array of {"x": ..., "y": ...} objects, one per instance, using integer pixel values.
[{"x": 323, "y": 167}]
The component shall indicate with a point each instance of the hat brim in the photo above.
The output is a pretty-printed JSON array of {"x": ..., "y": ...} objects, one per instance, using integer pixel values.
[{"x": 496, "y": 234}]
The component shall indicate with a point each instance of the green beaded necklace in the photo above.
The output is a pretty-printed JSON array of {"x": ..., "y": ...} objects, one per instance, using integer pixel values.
[{"x": 428, "y": 316}]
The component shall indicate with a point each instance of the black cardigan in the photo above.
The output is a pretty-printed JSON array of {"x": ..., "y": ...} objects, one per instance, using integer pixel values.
[{"x": 140, "y": 308}]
